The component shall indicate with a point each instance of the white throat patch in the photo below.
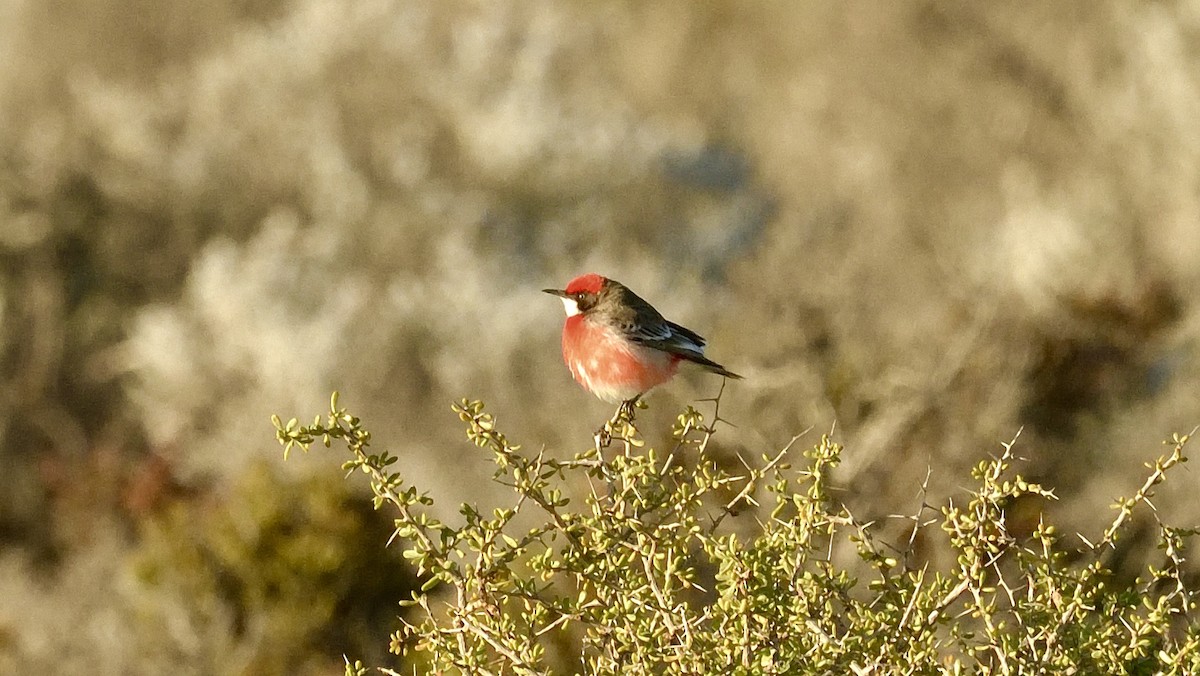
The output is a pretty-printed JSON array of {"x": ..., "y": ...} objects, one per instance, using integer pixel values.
[{"x": 571, "y": 307}]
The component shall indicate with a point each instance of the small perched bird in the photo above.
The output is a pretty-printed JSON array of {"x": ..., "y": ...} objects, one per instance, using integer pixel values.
[{"x": 618, "y": 346}]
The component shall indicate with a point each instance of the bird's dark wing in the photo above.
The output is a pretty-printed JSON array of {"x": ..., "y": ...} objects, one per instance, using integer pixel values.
[
  {"x": 652, "y": 330},
  {"x": 643, "y": 324},
  {"x": 687, "y": 334},
  {"x": 685, "y": 349},
  {"x": 634, "y": 317}
]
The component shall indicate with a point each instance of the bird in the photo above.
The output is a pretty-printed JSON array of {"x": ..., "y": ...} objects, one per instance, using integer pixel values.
[{"x": 617, "y": 346}]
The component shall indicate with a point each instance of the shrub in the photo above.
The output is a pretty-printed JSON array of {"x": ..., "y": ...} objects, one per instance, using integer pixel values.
[
  {"x": 272, "y": 576},
  {"x": 622, "y": 559}
]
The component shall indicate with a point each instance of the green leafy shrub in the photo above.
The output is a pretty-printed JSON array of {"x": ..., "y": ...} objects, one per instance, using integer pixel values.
[
  {"x": 278, "y": 577},
  {"x": 622, "y": 559}
]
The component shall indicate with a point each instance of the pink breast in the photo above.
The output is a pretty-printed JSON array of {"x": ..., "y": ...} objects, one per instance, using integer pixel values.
[{"x": 608, "y": 365}]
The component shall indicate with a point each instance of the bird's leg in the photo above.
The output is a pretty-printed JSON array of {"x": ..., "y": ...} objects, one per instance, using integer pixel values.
[
  {"x": 627, "y": 408},
  {"x": 620, "y": 424}
]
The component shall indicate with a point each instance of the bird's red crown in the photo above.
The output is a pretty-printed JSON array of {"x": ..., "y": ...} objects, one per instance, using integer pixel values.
[{"x": 589, "y": 283}]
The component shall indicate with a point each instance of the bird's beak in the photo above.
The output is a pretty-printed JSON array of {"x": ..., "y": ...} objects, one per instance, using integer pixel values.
[{"x": 555, "y": 292}]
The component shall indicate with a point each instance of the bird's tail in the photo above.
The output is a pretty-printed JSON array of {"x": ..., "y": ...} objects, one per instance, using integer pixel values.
[{"x": 710, "y": 365}]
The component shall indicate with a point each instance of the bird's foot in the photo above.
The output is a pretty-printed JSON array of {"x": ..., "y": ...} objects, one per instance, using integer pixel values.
[
  {"x": 620, "y": 426},
  {"x": 628, "y": 409}
]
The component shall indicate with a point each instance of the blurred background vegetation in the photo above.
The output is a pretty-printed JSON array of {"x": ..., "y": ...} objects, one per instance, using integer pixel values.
[{"x": 926, "y": 223}]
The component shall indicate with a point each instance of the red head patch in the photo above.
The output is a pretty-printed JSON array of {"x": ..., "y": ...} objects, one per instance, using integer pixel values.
[{"x": 589, "y": 283}]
